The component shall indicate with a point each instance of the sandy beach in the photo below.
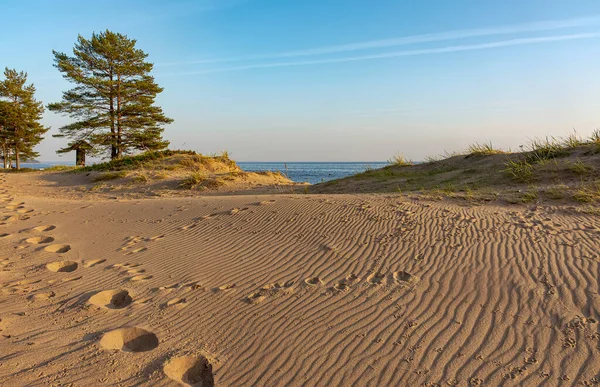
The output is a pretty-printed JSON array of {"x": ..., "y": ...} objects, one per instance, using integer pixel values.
[{"x": 293, "y": 290}]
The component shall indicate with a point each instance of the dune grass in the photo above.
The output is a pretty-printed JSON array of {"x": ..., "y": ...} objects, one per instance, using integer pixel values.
[
  {"x": 110, "y": 176},
  {"x": 192, "y": 180},
  {"x": 399, "y": 160},
  {"x": 520, "y": 170},
  {"x": 483, "y": 149},
  {"x": 146, "y": 159}
]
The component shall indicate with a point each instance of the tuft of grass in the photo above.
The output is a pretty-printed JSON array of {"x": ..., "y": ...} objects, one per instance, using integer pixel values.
[
  {"x": 433, "y": 159},
  {"x": 192, "y": 180},
  {"x": 531, "y": 195},
  {"x": 521, "y": 170},
  {"x": 557, "y": 192},
  {"x": 573, "y": 140},
  {"x": 591, "y": 210},
  {"x": 545, "y": 149},
  {"x": 587, "y": 194},
  {"x": 61, "y": 168},
  {"x": 484, "y": 149},
  {"x": 595, "y": 137},
  {"x": 580, "y": 168},
  {"x": 213, "y": 183},
  {"x": 160, "y": 175},
  {"x": 595, "y": 140},
  {"x": 140, "y": 178},
  {"x": 399, "y": 160},
  {"x": 110, "y": 176}
]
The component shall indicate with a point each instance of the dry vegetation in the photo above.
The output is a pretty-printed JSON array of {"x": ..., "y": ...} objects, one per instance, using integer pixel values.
[
  {"x": 154, "y": 172},
  {"x": 548, "y": 169}
]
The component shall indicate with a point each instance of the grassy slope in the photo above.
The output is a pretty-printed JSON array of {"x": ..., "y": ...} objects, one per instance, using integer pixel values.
[
  {"x": 182, "y": 169},
  {"x": 550, "y": 171}
]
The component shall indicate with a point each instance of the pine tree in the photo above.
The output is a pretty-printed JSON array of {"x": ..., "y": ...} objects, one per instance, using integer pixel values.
[
  {"x": 4, "y": 148},
  {"x": 113, "y": 100},
  {"x": 20, "y": 114}
]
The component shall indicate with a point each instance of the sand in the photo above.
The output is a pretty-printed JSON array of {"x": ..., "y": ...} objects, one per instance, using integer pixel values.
[{"x": 292, "y": 290}]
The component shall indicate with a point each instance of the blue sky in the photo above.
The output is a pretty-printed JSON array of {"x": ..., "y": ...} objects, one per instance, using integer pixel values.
[{"x": 336, "y": 80}]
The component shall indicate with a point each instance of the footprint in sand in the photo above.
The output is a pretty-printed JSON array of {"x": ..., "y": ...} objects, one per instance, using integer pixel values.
[
  {"x": 40, "y": 240},
  {"x": 313, "y": 281},
  {"x": 4, "y": 235},
  {"x": 62, "y": 266},
  {"x": 403, "y": 276},
  {"x": 124, "y": 265},
  {"x": 168, "y": 288},
  {"x": 194, "y": 285},
  {"x": 155, "y": 238},
  {"x": 190, "y": 371},
  {"x": 223, "y": 288},
  {"x": 352, "y": 277},
  {"x": 341, "y": 286},
  {"x": 143, "y": 300},
  {"x": 179, "y": 302},
  {"x": 136, "y": 271},
  {"x": 264, "y": 202},
  {"x": 189, "y": 226},
  {"x": 131, "y": 339},
  {"x": 376, "y": 278},
  {"x": 94, "y": 262},
  {"x": 45, "y": 228},
  {"x": 279, "y": 286},
  {"x": 138, "y": 250},
  {"x": 256, "y": 297},
  {"x": 268, "y": 290},
  {"x": 111, "y": 299},
  {"x": 59, "y": 249},
  {"x": 42, "y": 296},
  {"x": 139, "y": 278}
]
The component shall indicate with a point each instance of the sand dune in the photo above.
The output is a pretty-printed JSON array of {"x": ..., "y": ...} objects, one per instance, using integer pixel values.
[{"x": 308, "y": 290}]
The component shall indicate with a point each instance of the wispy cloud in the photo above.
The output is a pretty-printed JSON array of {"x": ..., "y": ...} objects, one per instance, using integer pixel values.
[
  {"x": 541, "y": 26},
  {"x": 450, "y": 49}
]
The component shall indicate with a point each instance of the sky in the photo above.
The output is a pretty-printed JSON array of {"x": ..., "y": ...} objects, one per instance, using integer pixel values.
[{"x": 335, "y": 80}]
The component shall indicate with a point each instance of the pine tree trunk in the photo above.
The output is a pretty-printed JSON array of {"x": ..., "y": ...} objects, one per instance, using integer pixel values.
[
  {"x": 4, "y": 155},
  {"x": 113, "y": 145},
  {"x": 119, "y": 143},
  {"x": 17, "y": 158}
]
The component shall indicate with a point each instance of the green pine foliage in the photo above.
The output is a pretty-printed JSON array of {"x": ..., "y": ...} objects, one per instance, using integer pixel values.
[
  {"x": 20, "y": 115},
  {"x": 113, "y": 100}
]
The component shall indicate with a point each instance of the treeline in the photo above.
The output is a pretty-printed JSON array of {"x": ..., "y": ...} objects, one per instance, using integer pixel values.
[{"x": 112, "y": 103}]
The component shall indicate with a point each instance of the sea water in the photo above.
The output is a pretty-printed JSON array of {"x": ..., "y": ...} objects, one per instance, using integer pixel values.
[{"x": 311, "y": 172}]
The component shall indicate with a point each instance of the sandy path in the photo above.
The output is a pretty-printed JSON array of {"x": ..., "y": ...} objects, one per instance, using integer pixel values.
[{"x": 299, "y": 290}]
